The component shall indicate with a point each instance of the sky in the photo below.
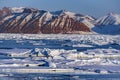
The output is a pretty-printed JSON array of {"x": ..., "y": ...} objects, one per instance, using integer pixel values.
[{"x": 96, "y": 8}]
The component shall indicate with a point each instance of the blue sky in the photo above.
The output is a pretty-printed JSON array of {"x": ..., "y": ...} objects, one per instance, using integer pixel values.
[{"x": 94, "y": 8}]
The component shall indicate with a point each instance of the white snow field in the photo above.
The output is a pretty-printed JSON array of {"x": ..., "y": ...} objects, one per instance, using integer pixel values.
[{"x": 71, "y": 54}]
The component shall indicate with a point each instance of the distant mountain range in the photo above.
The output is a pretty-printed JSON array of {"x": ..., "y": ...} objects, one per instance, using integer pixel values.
[{"x": 33, "y": 21}]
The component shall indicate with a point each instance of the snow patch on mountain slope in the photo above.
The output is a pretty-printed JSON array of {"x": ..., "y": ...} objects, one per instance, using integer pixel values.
[
  {"x": 87, "y": 23},
  {"x": 70, "y": 14},
  {"x": 8, "y": 17},
  {"x": 48, "y": 16},
  {"x": 28, "y": 17},
  {"x": 17, "y": 9},
  {"x": 87, "y": 20}
]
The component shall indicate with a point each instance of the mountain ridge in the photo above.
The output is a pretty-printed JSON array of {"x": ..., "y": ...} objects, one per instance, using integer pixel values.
[{"x": 30, "y": 20}]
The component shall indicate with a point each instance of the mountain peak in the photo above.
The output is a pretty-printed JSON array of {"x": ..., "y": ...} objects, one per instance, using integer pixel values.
[
  {"x": 23, "y": 10},
  {"x": 59, "y": 12},
  {"x": 110, "y": 19},
  {"x": 112, "y": 13},
  {"x": 17, "y": 9}
]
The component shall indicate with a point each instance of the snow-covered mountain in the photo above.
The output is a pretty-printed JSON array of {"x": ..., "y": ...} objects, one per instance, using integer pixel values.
[
  {"x": 110, "y": 19},
  {"x": 109, "y": 24},
  {"x": 30, "y": 20}
]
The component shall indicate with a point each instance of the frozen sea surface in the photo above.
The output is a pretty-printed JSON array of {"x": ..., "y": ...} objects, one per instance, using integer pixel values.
[{"x": 93, "y": 54}]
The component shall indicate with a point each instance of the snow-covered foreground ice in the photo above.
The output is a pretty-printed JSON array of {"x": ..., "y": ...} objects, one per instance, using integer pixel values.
[{"x": 82, "y": 54}]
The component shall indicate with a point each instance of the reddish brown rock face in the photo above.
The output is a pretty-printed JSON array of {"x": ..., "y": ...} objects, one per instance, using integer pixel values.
[
  {"x": 34, "y": 21},
  {"x": 64, "y": 24},
  {"x": 4, "y": 12}
]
